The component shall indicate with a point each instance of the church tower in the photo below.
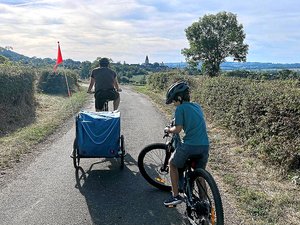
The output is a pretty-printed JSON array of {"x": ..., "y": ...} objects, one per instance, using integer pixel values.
[{"x": 147, "y": 60}]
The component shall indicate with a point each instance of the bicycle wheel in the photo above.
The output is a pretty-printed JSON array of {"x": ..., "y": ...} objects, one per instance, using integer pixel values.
[
  {"x": 204, "y": 205},
  {"x": 75, "y": 156},
  {"x": 105, "y": 106},
  {"x": 151, "y": 163},
  {"x": 122, "y": 151}
]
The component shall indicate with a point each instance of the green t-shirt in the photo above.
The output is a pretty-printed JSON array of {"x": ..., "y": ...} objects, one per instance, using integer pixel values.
[{"x": 190, "y": 116}]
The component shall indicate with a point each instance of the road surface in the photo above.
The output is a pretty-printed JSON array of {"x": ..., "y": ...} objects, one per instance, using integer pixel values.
[{"x": 48, "y": 191}]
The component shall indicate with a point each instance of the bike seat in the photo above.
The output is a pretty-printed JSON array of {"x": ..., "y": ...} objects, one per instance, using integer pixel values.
[
  {"x": 194, "y": 157},
  {"x": 192, "y": 160}
]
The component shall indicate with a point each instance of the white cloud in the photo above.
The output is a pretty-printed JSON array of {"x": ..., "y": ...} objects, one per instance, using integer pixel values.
[{"x": 129, "y": 30}]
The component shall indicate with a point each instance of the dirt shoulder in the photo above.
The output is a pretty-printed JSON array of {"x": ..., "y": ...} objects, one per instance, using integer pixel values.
[
  {"x": 53, "y": 115},
  {"x": 263, "y": 195}
]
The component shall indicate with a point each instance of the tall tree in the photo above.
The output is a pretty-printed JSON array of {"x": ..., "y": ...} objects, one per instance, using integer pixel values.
[
  {"x": 214, "y": 38},
  {"x": 86, "y": 68}
]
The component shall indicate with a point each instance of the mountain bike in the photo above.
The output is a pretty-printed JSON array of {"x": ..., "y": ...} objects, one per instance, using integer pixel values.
[
  {"x": 105, "y": 106},
  {"x": 201, "y": 194}
]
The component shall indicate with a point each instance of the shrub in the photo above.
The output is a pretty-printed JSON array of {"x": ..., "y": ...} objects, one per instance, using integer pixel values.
[
  {"x": 264, "y": 114},
  {"x": 284, "y": 74},
  {"x": 17, "y": 103},
  {"x": 161, "y": 81},
  {"x": 52, "y": 83}
]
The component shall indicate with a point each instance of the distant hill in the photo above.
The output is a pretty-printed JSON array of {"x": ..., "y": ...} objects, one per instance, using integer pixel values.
[
  {"x": 69, "y": 63},
  {"x": 37, "y": 62},
  {"x": 245, "y": 65},
  {"x": 13, "y": 56}
]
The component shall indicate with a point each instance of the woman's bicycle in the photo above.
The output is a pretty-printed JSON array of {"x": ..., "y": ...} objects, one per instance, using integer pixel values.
[{"x": 201, "y": 194}]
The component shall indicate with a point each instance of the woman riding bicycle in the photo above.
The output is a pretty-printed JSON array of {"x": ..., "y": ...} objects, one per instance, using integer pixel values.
[
  {"x": 190, "y": 118},
  {"x": 106, "y": 85}
]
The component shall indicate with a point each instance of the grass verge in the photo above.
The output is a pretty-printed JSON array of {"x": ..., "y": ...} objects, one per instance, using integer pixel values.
[
  {"x": 51, "y": 113},
  {"x": 261, "y": 195}
]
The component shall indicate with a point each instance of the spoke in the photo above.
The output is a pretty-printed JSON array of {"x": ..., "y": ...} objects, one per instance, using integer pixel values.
[{"x": 153, "y": 162}]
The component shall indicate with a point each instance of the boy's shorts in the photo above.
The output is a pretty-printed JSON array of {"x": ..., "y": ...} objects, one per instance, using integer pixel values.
[{"x": 183, "y": 151}]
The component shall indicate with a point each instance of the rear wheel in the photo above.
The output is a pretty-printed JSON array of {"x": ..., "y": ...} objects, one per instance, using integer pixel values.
[
  {"x": 204, "y": 205},
  {"x": 105, "y": 107},
  {"x": 122, "y": 145},
  {"x": 152, "y": 163},
  {"x": 75, "y": 155}
]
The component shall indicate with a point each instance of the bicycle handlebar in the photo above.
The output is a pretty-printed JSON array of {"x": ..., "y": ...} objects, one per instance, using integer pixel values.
[{"x": 167, "y": 134}]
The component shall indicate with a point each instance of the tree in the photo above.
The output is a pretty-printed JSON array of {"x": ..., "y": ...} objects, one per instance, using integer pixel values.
[
  {"x": 124, "y": 80},
  {"x": 214, "y": 38},
  {"x": 3, "y": 59},
  {"x": 143, "y": 80},
  {"x": 86, "y": 68}
]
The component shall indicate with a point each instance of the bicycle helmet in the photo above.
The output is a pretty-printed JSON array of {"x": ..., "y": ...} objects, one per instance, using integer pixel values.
[
  {"x": 177, "y": 89},
  {"x": 104, "y": 62}
]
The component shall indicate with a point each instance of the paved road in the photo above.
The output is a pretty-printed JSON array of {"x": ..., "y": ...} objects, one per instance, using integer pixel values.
[{"x": 47, "y": 190}]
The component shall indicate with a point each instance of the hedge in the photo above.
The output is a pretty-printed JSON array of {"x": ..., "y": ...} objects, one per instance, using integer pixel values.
[
  {"x": 264, "y": 114},
  {"x": 17, "y": 103},
  {"x": 52, "y": 83},
  {"x": 162, "y": 81}
]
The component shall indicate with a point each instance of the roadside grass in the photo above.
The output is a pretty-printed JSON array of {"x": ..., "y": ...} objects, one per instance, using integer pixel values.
[
  {"x": 263, "y": 196},
  {"x": 51, "y": 113},
  {"x": 137, "y": 78},
  {"x": 156, "y": 97}
]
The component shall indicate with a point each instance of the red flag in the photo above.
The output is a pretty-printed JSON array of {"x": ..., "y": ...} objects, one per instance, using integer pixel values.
[{"x": 59, "y": 59}]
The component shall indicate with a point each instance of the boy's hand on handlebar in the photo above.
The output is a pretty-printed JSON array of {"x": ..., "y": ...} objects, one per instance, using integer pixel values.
[
  {"x": 90, "y": 92},
  {"x": 167, "y": 129}
]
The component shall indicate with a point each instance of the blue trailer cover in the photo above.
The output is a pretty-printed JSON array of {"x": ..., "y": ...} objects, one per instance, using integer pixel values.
[{"x": 98, "y": 134}]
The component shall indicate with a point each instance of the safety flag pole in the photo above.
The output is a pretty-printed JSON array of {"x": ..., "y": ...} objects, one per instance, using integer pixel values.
[{"x": 59, "y": 60}]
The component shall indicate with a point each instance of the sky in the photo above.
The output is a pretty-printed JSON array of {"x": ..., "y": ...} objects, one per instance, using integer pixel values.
[{"x": 128, "y": 30}]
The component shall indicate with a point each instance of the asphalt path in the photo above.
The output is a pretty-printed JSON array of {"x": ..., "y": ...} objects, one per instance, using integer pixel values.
[{"x": 48, "y": 190}]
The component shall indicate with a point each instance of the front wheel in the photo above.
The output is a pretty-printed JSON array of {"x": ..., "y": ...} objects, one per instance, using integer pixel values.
[
  {"x": 153, "y": 165},
  {"x": 204, "y": 205}
]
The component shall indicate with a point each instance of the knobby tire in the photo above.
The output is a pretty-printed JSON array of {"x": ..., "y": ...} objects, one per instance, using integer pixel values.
[
  {"x": 150, "y": 171},
  {"x": 219, "y": 214}
]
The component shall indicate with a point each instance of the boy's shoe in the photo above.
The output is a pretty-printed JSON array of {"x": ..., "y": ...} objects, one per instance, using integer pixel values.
[{"x": 173, "y": 201}]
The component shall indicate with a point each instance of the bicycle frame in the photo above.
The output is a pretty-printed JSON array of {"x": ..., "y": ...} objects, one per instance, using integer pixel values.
[
  {"x": 105, "y": 106},
  {"x": 170, "y": 149},
  {"x": 201, "y": 194},
  {"x": 188, "y": 169}
]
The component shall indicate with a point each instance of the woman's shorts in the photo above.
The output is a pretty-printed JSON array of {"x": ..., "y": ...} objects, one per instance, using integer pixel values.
[{"x": 184, "y": 151}]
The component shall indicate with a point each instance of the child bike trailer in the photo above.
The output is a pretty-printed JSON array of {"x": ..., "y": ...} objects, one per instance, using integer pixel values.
[{"x": 98, "y": 136}]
